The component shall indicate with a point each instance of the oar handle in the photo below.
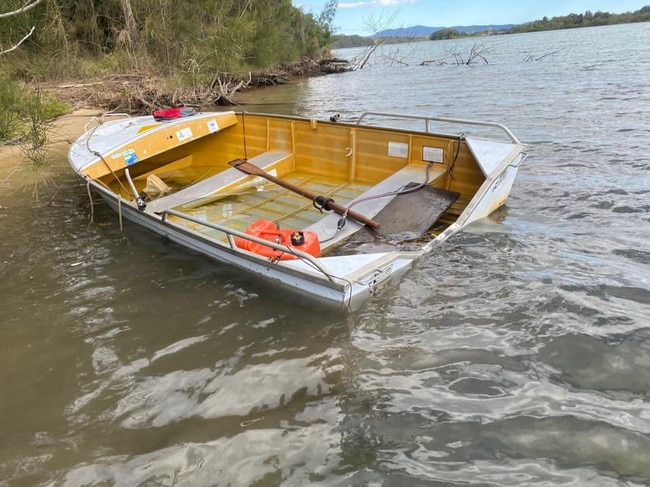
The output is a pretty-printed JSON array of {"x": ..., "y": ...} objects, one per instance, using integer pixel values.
[{"x": 245, "y": 166}]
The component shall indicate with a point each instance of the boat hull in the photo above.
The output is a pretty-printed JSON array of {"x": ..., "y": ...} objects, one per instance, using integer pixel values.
[
  {"x": 366, "y": 165},
  {"x": 339, "y": 293}
]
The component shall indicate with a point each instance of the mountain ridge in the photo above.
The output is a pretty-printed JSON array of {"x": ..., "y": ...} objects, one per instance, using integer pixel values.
[{"x": 422, "y": 30}]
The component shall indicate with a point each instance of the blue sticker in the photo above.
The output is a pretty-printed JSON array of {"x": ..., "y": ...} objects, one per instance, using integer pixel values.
[{"x": 130, "y": 156}]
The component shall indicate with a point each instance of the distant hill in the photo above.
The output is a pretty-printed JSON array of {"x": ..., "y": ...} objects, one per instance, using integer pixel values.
[
  {"x": 571, "y": 21},
  {"x": 424, "y": 31}
]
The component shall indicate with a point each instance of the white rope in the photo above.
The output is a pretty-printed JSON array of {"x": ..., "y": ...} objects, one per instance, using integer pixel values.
[
  {"x": 90, "y": 198},
  {"x": 119, "y": 212}
]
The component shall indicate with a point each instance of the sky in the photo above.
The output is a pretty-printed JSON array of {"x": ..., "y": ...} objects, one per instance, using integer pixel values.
[{"x": 362, "y": 17}]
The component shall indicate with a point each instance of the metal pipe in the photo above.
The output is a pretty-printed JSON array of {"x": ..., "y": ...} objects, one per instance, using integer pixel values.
[
  {"x": 138, "y": 199},
  {"x": 426, "y": 119}
]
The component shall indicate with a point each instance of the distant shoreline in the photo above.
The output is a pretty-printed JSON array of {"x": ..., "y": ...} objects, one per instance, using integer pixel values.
[{"x": 420, "y": 32}]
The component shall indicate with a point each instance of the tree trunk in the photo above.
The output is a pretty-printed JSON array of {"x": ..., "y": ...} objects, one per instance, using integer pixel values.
[
  {"x": 94, "y": 34},
  {"x": 129, "y": 20}
]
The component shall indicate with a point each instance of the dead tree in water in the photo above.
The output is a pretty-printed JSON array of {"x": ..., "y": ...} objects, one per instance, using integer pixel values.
[
  {"x": 366, "y": 56},
  {"x": 476, "y": 53},
  {"x": 376, "y": 26},
  {"x": 532, "y": 58}
]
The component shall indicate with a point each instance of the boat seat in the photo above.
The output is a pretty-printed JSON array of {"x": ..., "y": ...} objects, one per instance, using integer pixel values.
[
  {"x": 326, "y": 227},
  {"x": 202, "y": 189}
]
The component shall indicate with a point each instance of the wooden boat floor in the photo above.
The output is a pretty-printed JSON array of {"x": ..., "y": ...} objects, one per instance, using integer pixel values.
[{"x": 286, "y": 208}]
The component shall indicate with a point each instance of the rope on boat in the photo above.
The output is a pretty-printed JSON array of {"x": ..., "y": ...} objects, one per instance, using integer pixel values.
[
  {"x": 453, "y": 162},
  {"x": 327, "y": 274},
  {"x": 90, "y": 198},
  {"x": 98, "y": 154},
  {"x": 243, "y": 123},
  {"x": 92, "y": 205},
  {"x": 119, "y": 212}
]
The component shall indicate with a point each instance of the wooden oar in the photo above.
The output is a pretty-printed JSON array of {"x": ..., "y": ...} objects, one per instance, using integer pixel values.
[{"x": 329, "y": 204}]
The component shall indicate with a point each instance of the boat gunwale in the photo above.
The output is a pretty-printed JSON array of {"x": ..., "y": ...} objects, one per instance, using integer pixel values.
[
  {"x": 230, "y": 233},
  {"x": 426, "y": 119},
  {"x": 156, "y": 126}
]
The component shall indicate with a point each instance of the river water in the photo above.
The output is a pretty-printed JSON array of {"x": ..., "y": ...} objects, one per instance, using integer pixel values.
[{"x": 516, "y": 355}]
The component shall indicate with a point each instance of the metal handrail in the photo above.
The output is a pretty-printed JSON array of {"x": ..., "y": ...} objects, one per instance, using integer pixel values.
[
  {"x": 100, "y": 119},
  {"x": 426, "y": 120},
  {"x": 230, "y": 233},
  {"x": 116, "y": 114}
]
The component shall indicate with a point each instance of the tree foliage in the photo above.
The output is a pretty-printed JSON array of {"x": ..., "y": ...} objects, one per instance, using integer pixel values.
[
  {"x": 442, "y": 34},
  {"x": 571, "y": 21},
  {"x": 588, "y": 19},
  {"x": 195, "y": 37}
]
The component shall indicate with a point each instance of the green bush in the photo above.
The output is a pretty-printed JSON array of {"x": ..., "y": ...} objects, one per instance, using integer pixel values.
[
  {"x": 11, "y": 96},
  {"x": 26, "y": 115}
]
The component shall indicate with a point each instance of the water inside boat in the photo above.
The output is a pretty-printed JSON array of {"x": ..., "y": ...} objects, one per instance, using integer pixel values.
[{"x": 336, "y": 161}]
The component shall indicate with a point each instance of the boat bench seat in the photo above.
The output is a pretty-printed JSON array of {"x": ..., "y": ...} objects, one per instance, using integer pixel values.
[
  {"x": 325, "y": 227},
  {"x": 230, "y": 176}
]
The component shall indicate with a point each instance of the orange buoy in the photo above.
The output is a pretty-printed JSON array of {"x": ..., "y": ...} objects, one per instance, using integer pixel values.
[{"x": 304, "y": 241}]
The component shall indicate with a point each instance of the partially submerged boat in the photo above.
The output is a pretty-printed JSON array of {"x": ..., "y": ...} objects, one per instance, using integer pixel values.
[{"x": 329, "y": 209}]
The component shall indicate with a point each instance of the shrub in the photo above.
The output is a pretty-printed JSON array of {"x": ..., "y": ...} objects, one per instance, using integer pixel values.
[
  {"x": 26, "y": 115},
  {"x": 11, "y": 95}
]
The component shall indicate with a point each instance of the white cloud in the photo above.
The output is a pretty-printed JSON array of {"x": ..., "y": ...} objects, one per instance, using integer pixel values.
[{"x": 377, "y": 3}]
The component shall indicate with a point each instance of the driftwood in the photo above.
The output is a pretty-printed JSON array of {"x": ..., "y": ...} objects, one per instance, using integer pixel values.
[
  {"x": 227, "y": 89},
  {"x": 305, "y": 67},
  {"x": 134, "y": 93}
]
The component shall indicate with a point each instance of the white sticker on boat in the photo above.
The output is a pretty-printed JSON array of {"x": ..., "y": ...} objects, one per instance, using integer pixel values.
[
  {"x": 432, "y": 154},
  {"x": 184, "y": 134},
  {"x": 398, "y": 149},
  {"x": 213, "y": 126}
]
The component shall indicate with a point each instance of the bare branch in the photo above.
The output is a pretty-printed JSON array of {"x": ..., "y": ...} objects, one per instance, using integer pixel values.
[
  {"x": 19, "y": 43},
  {"x": 368, "y": 53},
  {"x": 476, "y": 52},
  {"x": 29, "y": 4},
  {"x": 22, "y": 9},
  {"x": 532, "y": 58}
]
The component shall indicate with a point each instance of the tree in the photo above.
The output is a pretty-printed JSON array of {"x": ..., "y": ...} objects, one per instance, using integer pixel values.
[
  {"x": 129, "y": 20},
  {"x": 444, "y": 34},
  {"x": 374, "y": 25},
  {"x": 29, "y": 4},
  {"x": 325, "y": 20}
]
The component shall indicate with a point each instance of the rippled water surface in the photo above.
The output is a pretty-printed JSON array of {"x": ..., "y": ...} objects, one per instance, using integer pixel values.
[{"x": 516, "y": 355}]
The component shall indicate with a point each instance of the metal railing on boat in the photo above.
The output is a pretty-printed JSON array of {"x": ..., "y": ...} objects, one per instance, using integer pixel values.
[
  {"x": 231, "y": 234},
  {"x": 427, "y": 120},
  {"x": 102, "y": 118}
]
